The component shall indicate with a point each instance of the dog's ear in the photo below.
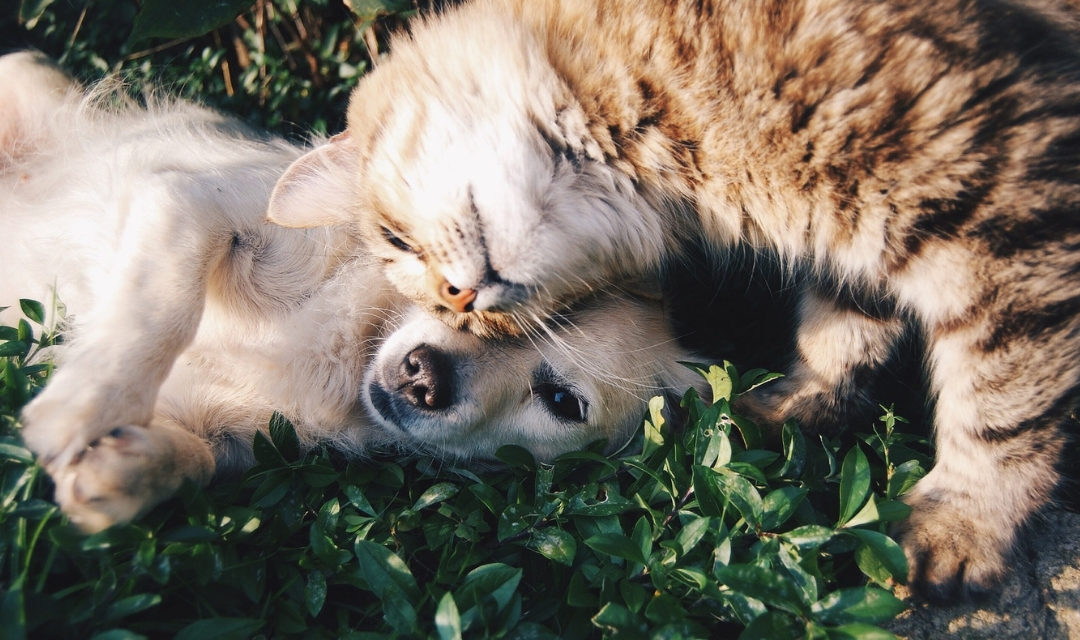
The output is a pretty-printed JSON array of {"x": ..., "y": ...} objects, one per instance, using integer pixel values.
[
  {"x": 648, "y": 287},
  {"x": 317, "y": 189}
]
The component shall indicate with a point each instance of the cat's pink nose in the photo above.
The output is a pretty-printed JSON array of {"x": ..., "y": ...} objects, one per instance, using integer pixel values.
[{"x": 460, "y": 300}]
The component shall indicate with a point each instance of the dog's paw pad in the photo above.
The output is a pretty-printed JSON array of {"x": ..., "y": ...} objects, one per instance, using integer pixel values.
[{"x": 110, "y": 481}]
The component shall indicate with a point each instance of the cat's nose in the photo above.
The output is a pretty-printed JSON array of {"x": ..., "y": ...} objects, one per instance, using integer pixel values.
[
  {"x": 460, "y": 300},
  {"x": 425, "y": 379}
]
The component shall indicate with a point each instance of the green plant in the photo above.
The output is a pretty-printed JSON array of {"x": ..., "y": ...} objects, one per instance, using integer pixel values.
[
  {"x": 702, "y": 532},
  {"x": 283, "y": 65},
  {"x": 705, "y": 531}
]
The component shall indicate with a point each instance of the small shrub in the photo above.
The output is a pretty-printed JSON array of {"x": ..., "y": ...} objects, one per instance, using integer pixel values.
[{"x": 703, "y": 532}]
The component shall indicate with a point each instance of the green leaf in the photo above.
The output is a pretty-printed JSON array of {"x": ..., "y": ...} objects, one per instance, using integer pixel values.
[
  {"x": 369, "y": 10},
  {"x": 879, "y": 557},
  {"x": 132, "y": 604},
  {"x": 117, "y": 634},
  {"x": 866, "y": 604},
  {"x": 868, "y": 514},
  {"x": 620, "y": 621},
  {"x": 383, "y": 569},
  {"x": 221, "y": 629},
  {"x": 772, "y": 625},
  {"x": 663, "y": 608},
  {"x": 447, "y": 619},
  {"x": 13, "y": 610},
  {"x": 904, "y": 477},
  {"x": 165, "y": 19},
  {"x": 794, "y": 444},
  {"x": 265, "y": 452},
  {"x": 617, "y": 545},
  {"x": 720, "y": 381},
  {"x": 496, "y": 580},
  {"x": 16, "y": 453},
  {"x": 390, "y": 579},
  {"x": 858, "y": 631},
  {"x": 315, "y": 593},
  {"x": 30, "y": 11},
  {"x": 892, "y": 511},
  {"x": 554, "y": 544},
  {"x": 854, "y": 483},
  {"x": 33, "y": 309},
  {"x": 654, "y": 426},
  {"x": 25, "y": 331},
  {"x": 14, "y": 348},
  {"x": 359, "y": 500},
  {"x": 809, "y": 536},
  {"x": 779, "y": 505},
  {"x": 770, "y": 587},
  {"x": 516, "y": 457},
  {"x": 693, "y": 530},
  {"x": 714, "y": 488},
  {"x": 435, "y": 494},
  {"x": 283, "y": 435},
  {"x": 754, "y": 378}
]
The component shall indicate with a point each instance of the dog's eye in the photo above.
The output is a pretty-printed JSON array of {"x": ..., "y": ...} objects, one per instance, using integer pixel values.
[
  {"x": 562, "y": 402},
  {"x": 397, "y": 242}
]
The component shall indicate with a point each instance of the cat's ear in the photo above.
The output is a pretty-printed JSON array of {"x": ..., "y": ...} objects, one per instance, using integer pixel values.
[{"x": 317, "y": 189}]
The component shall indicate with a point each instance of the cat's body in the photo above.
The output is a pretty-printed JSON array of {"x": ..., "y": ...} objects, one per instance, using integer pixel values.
[
  {"x": 911, "y": 163},
  {"x": 191, "y": 320}
]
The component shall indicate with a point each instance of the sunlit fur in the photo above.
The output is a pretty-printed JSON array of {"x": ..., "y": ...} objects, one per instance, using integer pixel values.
[
  {"x": 190, "y": 320},
  {"x": 915, "y": 160}
]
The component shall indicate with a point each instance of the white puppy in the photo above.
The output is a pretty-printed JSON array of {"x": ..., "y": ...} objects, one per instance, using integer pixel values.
[{"x": 191, "y": 319}]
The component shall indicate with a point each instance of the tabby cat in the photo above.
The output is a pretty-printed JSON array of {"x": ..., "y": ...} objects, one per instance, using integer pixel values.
[{"x": 913, "y": 163}]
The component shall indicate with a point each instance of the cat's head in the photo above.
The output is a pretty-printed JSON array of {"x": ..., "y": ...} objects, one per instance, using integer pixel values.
[
  {"x": 582, "y": 379},
  {"x": 471, "y": 171}
]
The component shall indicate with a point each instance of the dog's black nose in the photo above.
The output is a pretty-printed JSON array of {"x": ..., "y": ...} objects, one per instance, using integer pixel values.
[{"x": 425, "y": 379}]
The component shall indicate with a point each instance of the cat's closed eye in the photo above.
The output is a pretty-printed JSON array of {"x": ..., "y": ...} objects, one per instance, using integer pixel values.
[{"x": 396, "y": 241}]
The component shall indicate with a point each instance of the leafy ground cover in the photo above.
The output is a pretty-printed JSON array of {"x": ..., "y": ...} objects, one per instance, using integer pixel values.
[
  {"x": 704, "y": 531},
  {"x": 701, "y": 532}
]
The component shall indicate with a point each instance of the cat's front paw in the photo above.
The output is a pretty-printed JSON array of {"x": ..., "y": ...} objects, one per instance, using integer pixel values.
[
  {"x": 954, "y": 550},
  {"x": 815, "y": 407}
]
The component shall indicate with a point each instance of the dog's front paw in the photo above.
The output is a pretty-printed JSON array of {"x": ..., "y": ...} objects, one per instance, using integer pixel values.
[
  {"x": 121, "y": 475},
  {"x": 56, "y": 428},
  {"x": 955, "y": 551},
  {"x": 71, "y": 412}
]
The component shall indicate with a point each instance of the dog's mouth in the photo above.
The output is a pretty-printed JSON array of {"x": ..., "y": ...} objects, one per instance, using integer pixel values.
[{"x": 382, "y": 402}]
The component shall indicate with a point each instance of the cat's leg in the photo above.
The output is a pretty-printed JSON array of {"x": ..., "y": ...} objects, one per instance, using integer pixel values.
[
  {"x": 1002, "y": 399},
  {"x": 132, "y": 468},
  {"x": 146, "y": 313},
  {"x": 839, "y": 346}
]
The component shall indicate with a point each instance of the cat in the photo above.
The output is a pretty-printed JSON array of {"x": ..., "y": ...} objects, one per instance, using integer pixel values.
[
  {"x": 909, "y": 164},
  {"x": 190, "y": 321}
]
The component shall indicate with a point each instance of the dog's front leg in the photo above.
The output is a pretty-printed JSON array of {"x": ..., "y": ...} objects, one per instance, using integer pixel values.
[{"x": 173, "y": 229}]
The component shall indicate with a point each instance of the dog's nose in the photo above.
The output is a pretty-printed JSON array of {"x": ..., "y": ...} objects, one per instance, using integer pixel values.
[
  {"x": 460, "y": 300},
  {"x": 425, "y": 378}
]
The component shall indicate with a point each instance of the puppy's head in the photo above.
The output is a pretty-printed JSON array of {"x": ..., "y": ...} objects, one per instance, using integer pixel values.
[{"x": 584, "y": 378}]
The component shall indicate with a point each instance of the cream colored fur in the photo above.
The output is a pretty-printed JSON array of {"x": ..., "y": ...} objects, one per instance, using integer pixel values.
[{"x": 190, "y": 319}]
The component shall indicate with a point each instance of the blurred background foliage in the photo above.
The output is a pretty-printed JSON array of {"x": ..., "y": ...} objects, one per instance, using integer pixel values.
[{"x": 283, "y": 65}]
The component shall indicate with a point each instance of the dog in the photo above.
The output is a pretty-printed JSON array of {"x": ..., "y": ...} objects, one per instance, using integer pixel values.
[{"x": 189, "y": 319}]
